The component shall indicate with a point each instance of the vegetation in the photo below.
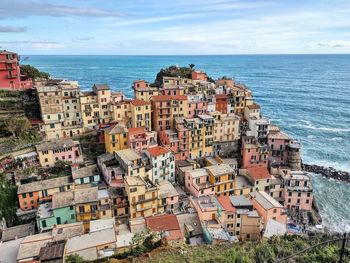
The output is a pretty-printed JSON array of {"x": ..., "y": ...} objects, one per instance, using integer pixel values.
[
  {"x": 17, "y": 126},
  {"x": 74, "y": 259},
  {"x": 265, "y": 251},
  {"x": 8, "y": 200},
  {"x": 175, "y": 71},
  {"x": 33, "y": 73},
  {"x": 90, "y": 145}
]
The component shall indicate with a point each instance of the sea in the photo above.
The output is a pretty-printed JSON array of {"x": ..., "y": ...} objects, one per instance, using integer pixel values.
[{"x": 308, "y": 96}]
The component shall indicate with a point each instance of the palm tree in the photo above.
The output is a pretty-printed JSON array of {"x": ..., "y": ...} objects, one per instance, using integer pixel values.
[{"x": 191, "y": 66}]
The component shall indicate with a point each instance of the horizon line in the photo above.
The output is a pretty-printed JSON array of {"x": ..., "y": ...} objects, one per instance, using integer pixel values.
[{"x": 174, "y": 55}]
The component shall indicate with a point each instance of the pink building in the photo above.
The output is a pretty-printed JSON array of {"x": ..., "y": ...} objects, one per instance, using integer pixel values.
[
  {"x": 198, "y": 75},
  {"x": 140, "y": 139},
  {"x": 278, "y": 142},
  {"x": 196, "y": 105},
  {"x": 268, "y": 207},
  {"x": 254, "y": 153},
  {"x": 111, "y": 172},
  {"x": 197, "y": 182},
  {"x": 64, "y": 149},
  {"x": 298, "y": 192},
  {"x": 183, "y": 135},
  {"x": 170, "y": 140}
]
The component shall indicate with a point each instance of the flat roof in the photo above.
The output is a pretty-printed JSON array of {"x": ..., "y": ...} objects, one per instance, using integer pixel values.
[
  {"x": 198, "y": 172},
  {"x": 15, "y": 232},
  {"x": 31, "y": 245},
  {"x": 240, "y": 200},
  {"x": 166, "y": 189},
  {"x": 128, "y": 155},
  {"x": 220, "y": 169}
]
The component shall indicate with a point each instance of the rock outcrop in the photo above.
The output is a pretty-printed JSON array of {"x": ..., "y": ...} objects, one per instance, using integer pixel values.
[{"x": 328, "y": 172}]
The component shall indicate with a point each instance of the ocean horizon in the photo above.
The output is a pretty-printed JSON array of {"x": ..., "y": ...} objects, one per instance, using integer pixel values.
[{"x": 307, "y": 95}]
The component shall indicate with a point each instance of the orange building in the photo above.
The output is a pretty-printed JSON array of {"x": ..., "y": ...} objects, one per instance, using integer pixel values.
[{"x": 221, "y": 103}]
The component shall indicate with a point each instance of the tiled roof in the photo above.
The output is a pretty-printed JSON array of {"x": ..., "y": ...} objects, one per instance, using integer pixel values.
[
  {"x": 17, "y": 232},
  {"x": 265, "y": 200},
  {"x": 56, "y": 144},
  {"x": 258, "y": 172},
  {"x": 62, "y": 199},
  {"x": 44, "y": 184},
  {"x": 139, "y": 102},
  {"x": 254, "y": 106},
  {"x": 226, "y": 204},
  {"x": 156, "y": 151},
  {"x": 90, "y": 170},
  {"x": 164, "y": 222},
  {"x": 138, "y": 130},
  {"x": 116, "y": 129},
  {"x": 86, "y": 195},
  {"x": 101, "y": 86},
  {"x": 53, "y": 252},
  {"x": 169, "y": 97}
]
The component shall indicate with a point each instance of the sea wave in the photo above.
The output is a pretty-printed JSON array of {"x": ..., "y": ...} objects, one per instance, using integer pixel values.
[{"x": 309, "y": 125}]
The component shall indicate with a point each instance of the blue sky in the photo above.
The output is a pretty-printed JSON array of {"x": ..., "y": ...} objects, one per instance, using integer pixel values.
[{"x": 175, "y": 26}]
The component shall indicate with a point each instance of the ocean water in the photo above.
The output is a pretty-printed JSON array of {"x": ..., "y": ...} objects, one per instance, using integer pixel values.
[{"x": 306, "y": 95}]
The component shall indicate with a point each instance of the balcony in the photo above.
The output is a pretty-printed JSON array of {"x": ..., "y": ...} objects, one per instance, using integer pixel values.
[{"x": 12, "y": 76}]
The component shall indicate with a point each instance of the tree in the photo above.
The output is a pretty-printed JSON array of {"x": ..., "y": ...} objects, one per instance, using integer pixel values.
[
  {"x": 8, "y": 200},
  {"x": 191, "y": 65},
  {"x": 17, "y": 126},
  {"x": 33, "y": 73},
  {"x": 74, "y": 258}
]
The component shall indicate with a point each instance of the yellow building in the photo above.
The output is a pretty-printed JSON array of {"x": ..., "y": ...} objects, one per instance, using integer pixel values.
[
  {"x": 121, "y": 112},
  {"x": 104, "y": 96},
  {"x": 142, "y": 196},
  {"x": 140, "y": 114},
  {"x": 104, "y": 205},
  {"x": 208, "y": 122},
  {"x": 222, "y": 176},
  {"x": 116, "y": 138},
  {"x": 131, "y": 162},
  {"x": 86, "y": 205},
  {"x": 89, "y": 108},
  {"x": 143, "y": 91}
]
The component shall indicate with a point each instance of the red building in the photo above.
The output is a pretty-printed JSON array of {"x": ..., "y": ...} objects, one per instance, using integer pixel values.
[
  {"x": 10, "y": 76},
  {"x": 221, "y": 103}
]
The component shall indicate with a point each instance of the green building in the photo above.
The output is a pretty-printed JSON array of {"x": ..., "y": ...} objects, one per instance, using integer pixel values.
[{"x": 60, "y": 211}]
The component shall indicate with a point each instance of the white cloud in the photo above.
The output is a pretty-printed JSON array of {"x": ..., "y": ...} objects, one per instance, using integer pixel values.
[{"x": 330, "y": 44}]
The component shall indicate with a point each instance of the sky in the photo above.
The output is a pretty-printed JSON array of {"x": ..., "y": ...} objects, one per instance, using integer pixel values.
[{"x": 175, "y": 27}]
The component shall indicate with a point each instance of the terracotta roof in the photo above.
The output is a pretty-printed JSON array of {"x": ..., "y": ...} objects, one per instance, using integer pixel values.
[
  {"x": 258, "y": 172},
  {"x": 138, "y": 130},
  {"x": 101, "y": 86},
  {"x": 156, "y": 151},
  {"x": 254, "y": 106},
  {"x": 139, "y": 102},
  {"x": 169, "y": 97},
  {"x": 165, "y": 222},
  {"x": 226, "y": 204}
]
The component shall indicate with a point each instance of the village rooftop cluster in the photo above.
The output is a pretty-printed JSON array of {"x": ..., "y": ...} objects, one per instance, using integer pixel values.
[{"x": 192, "y": 160}]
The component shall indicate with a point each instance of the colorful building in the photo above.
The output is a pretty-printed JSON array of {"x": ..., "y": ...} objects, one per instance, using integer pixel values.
[
  {"x": 222, "y": 176},
  {"x": 140, "y": 139},
  {"x": 60, "y": 211},
  {"x": 10, "y": 75},
  {"x": 86, "y": 205},
  {"x": 197, "y": 182},
  {"x": 86, "y": 176},
  {"x": 268, "y": 208},
  {"x": 31, "y": 194},
  {"x": 142, "y": 196},
  {"x": 260, "y": 177},
  {"x": 143, "y": 91},
  {"x": 141, "y": 114},
  {"x": 116, "y": 138},
  {"x": 162, "y": 163},
  {"x": 64, "y": 150}
]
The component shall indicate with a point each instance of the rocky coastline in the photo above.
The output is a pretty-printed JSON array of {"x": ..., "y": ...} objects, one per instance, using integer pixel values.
[{"x": 328, "y": 172}]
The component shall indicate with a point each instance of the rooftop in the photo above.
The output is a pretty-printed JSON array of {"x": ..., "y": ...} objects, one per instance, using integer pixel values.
[
  {"x": 116, "y": 129},
  {"x": 258, "y": 173},
  {"x": 225, "y": 203},
  {"x": 86, "y": 171},
  {"x": 165, "y": 222},
  {"x": 156, "y": 151},
  {"x": 15, "y": 232},
  {"x": 240, "y": 201},
  {"x": 138, "y": 130},
  {"x": 31, "y": 245},
  {"x": 254, "y": 106},
  {"x": 198, "y": 172},
  {"x": 52, "y": 252},
  {"x": 63, "y": 232},
  {"x": 128, "y": 155},
  {"x": 56, "y": 144},
  {"x": 44, "y": 184},
  {"x": 101, "y": 87},
  {"x": 86, "y": 195},
  {"x": 62, "y": 199},
  {"x": 265, "y": 200},
  {"x": 100, "y": 224},
  {"x": 166, "y": 189},
  {"x": 220, "y": 169}
]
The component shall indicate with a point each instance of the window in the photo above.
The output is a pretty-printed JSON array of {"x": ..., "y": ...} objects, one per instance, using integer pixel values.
[
  {"x": 58, "y": 219},
  {"x": 275, "y": 211},
  {"x": 43, "y": 223},
  {"x": 24, "y": 195}
]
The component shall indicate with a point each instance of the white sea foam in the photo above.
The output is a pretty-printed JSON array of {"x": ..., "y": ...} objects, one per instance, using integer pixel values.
[{"x": 308, "y": 124}]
